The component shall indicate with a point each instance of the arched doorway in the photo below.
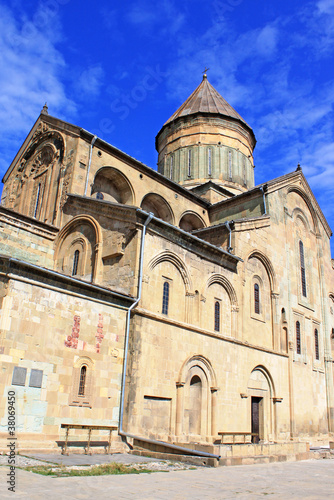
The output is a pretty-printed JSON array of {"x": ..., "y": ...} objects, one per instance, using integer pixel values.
[{"x": 261, "y": 411}]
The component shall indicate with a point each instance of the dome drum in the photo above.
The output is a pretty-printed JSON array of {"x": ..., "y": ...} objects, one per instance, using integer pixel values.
[{"x": 205, "y": 140}]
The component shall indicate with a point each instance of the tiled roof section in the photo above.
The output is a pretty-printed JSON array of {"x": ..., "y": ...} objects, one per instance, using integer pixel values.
[{"x": 206, "y": 99}]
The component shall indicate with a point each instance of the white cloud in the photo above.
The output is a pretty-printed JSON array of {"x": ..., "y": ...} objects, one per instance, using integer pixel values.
[
  {"x": 31, "y": 75},
  {"x": 326, "y": 6},
  {"x": 266, "y": 42},
  {"x": 278, "y": 78},
  {"x": 146, "y": 16},
  {"x": 142, "y": 15},
  {"x": 90, "y": 81}
]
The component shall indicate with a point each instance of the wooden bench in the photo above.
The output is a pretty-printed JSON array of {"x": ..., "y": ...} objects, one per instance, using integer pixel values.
[
  {"x": 90, "y": 428},
  {"x": 238, "y": 437}
]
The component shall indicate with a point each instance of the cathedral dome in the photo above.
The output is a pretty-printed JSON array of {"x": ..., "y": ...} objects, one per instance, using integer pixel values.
[{"x": 206, "y": 139}]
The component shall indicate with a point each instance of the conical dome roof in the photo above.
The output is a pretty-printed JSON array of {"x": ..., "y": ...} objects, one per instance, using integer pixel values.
[{"x": 206, "y": 99}]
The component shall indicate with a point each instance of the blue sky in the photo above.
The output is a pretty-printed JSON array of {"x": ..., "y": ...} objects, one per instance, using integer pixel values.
[{"x": 120, "y": 70}]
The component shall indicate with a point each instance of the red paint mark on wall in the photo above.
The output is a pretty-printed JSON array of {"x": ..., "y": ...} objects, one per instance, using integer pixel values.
[
  {"x": 99, "y": 333},
  {"x": 72, "y": 340}
]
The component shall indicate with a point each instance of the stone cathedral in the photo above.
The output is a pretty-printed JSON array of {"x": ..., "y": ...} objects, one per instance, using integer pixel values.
[{"x": 185, "y": 305}]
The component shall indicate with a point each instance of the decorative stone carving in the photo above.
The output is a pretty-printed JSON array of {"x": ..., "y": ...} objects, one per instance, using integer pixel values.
[
  {"x": 67, "y": 177},
  {"x": 41, "y": 129}
]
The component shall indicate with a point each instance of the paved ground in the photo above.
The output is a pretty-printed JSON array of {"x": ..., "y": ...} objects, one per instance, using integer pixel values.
[{"x": 311, "y": 479}]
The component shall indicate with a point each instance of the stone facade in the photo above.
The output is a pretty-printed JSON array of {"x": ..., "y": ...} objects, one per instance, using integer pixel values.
[{"x": 234, "y": 327}]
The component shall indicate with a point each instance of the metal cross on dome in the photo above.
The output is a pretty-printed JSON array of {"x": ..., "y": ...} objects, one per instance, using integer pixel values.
[{"x": 206, "y": 69}]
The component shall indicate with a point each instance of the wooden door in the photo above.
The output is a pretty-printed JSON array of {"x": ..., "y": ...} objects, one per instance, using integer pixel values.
[{"x": 256, "y": 418}]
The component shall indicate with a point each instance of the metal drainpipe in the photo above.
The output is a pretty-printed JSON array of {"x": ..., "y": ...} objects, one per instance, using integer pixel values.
[
  {"x": 264, "y": 200},
  {"x": 89, "y": 162},
  {"x": 121, "y": 432},
  {"x": 128, "y": 317},
  {"x": 227, "y": 224}
]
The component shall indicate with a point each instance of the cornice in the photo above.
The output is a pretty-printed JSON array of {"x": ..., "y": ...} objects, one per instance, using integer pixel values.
[
  {"x": 40, "y": 276},
  {"x": 171, "y": 233},
  {"x": 298, "y": 180},
  {"x": 26, "y": 223}
]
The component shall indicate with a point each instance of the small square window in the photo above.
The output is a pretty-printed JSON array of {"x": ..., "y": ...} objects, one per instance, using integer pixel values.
[
  {"x": 19, "y": 376},
  {"x": 36, "y": 377}
]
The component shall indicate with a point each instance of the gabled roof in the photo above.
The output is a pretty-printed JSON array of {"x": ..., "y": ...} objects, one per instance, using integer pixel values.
[
  {"x": 285, "y": 180},
  {"x": 203, "y": 188},
  {"x": 74, "y": 130},
  {"x": 206, "y": 99}
]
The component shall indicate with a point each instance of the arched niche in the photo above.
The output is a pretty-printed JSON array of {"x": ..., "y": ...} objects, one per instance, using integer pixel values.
[
  {"x": 111, "y": 185},
  {"x": 196, "y": 400},
  {"x": 219, "y": 290},
  {"x": 297, "y": 198},
  {"x": 258, "y": 307},
  {"x": 191, "y": 221},
  {"x": 156, "y": 204},
  {"x": 167, "y": 269},
  {"x": 32, "y": 185},
  {"x": 268, "y": 267},
  {"x": 168, "y": 256},
  {"x": 78, "y": 248}
]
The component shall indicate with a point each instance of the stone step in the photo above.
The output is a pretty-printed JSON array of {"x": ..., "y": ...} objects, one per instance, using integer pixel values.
[
  {"x": 190, "y": 459},
  {"x": 230, "y": 461}
]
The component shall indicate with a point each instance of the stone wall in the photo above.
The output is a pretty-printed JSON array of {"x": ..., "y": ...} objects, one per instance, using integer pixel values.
[{"x": 57, "y": 331}]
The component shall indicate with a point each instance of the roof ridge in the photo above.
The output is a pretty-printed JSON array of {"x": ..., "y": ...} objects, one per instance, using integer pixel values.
[
  {"x": 206, "y": 99},
  {"x": 212, "y": 92},
  {"x": 180, "y": 109}
]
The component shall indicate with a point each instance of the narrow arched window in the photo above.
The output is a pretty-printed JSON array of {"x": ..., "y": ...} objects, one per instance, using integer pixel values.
[
  {"x": 209, "y": 162},
  {"x": 75, "y": 263},
  {"x": 37, "y": 199},
  {"x": 298, "y": 346},
  {"x": 189, "y": 163},
  {"x": 230, "y": 165},
  {"x": 316, "y": 344},
  {"x": 217, "y": 316},
  {"x": 165, "y": 298},
  {"x": 171, "y": 167},
  {"x": 82, "y": 382},
  {"x": 283, "y": 315},
  {"x": 99, "y": 195},
  {"x": 302, "y": 268},
  {"x": 256, "y": 298}
]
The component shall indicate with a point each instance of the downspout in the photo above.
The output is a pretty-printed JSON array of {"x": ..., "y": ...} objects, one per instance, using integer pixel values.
[
  {"x": 262, "y": 188},
  {"x": 121, "y": 432},
  {"x": 227, "y": 224},
  {"x": 128, "y": 317},
  {"x": 89, "y": 162}
]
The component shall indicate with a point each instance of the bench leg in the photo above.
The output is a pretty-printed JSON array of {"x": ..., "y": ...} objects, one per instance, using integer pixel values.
[
  {"x": 109, "y": 443},
  {"x": 64, "y": 450},
  {"x": 87, "y": 450}
]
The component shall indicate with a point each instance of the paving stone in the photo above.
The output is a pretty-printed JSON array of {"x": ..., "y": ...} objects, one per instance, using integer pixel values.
[{"x": 311, "y": 480}]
